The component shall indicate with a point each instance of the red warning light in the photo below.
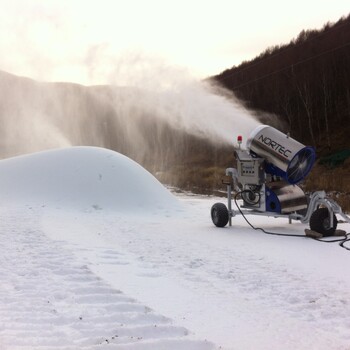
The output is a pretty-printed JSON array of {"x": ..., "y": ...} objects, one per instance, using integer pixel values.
[{"x": 239, "y": 138}]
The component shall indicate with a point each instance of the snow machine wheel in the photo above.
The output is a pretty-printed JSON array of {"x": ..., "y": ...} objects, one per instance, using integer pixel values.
[
  {"x": 319, "y": 222},
  {"x": 219, "y": 214}
]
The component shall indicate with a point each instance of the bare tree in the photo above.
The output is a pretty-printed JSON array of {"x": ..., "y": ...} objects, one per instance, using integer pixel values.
[
  {"x": 306, "y": 99},
  {"x": 326, "y": 100}
]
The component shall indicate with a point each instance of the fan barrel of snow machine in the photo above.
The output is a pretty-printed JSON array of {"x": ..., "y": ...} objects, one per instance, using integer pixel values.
[{"x": 285, "y": 157}]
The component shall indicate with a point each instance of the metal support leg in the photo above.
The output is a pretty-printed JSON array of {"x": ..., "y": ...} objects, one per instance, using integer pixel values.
[{"x": 229, "y": 205}]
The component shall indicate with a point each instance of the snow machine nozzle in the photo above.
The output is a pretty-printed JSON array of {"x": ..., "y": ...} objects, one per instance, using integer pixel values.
[{"x": 285, "y": 156}]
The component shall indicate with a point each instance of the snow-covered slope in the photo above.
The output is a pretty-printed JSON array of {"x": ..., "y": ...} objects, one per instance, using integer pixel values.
[
  {"x": 82, "y": 177},
  {"x": 81, "y": 268}
]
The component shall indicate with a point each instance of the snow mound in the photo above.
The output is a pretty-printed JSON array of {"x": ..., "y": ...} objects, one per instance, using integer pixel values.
[{"x": 84, "y": 177}]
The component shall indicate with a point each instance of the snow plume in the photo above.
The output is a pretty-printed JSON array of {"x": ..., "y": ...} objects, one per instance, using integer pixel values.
[
  {"x": 176, "y": 97},
  {"x": 144, "y": 109},
  {"x": 26, "y": 118}
]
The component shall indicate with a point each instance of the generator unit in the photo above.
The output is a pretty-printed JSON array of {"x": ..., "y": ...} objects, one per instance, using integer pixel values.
[{"x": 266, "y": 178}]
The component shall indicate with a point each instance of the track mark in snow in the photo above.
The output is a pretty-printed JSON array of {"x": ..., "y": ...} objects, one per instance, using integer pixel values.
[
  {"x": 48, "y": 299},
  {"x": 245, "y": 276},
  {"x": 112, "y": 257}
]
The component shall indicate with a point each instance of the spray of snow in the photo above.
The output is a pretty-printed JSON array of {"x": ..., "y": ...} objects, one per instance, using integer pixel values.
[
  {"x": 145, "y": 100},
  {"x": 27, "y": 123},
  {"x": 174, "y": 95}
]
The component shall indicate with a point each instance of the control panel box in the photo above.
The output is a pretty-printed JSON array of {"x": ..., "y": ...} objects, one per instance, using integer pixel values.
[{"x": 250, "y": 169}]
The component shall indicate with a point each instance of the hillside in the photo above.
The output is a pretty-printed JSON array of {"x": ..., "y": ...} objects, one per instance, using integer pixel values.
[{"x": 306, "y": 84}]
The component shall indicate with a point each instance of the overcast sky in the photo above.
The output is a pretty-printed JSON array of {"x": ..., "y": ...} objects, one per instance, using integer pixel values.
[{"x": 79, "y": 40}]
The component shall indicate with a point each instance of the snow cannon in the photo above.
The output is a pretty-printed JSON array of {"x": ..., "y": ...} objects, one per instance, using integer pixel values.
[
  {"x": 266, "y": 178},
  {"x": 284, "y": 156}
]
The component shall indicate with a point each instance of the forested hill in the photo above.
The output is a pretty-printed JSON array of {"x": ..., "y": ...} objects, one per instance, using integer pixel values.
[{"x": 306, "y": 83}]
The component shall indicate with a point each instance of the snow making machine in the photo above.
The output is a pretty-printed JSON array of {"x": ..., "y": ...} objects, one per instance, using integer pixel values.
[{"x": 266, "y": 179}]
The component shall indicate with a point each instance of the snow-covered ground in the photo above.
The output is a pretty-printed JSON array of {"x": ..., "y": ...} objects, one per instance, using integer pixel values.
[{"x": 96, "y": 254}]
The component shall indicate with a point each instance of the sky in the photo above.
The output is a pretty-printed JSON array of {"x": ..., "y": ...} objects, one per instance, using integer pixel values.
[{"x": 82, "y": 41}]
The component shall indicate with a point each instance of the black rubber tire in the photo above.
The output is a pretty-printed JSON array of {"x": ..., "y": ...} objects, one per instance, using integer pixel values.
[
  {"x": 219, "y": 214},
  {"x": 319, "y": 222}
]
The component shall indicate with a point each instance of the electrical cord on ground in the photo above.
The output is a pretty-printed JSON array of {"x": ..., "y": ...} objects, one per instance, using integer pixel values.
[
  {"x": 344, "y": 241},
  {"x": 341, "y": 241},
  {"x": 260, "y": 228}
]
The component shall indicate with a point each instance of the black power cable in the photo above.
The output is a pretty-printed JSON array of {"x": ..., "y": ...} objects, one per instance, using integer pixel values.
[
  {"x": 260, "y": 228},
  {"x": 344, "y": 241},
  {"x": 341, "y": 241}
]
